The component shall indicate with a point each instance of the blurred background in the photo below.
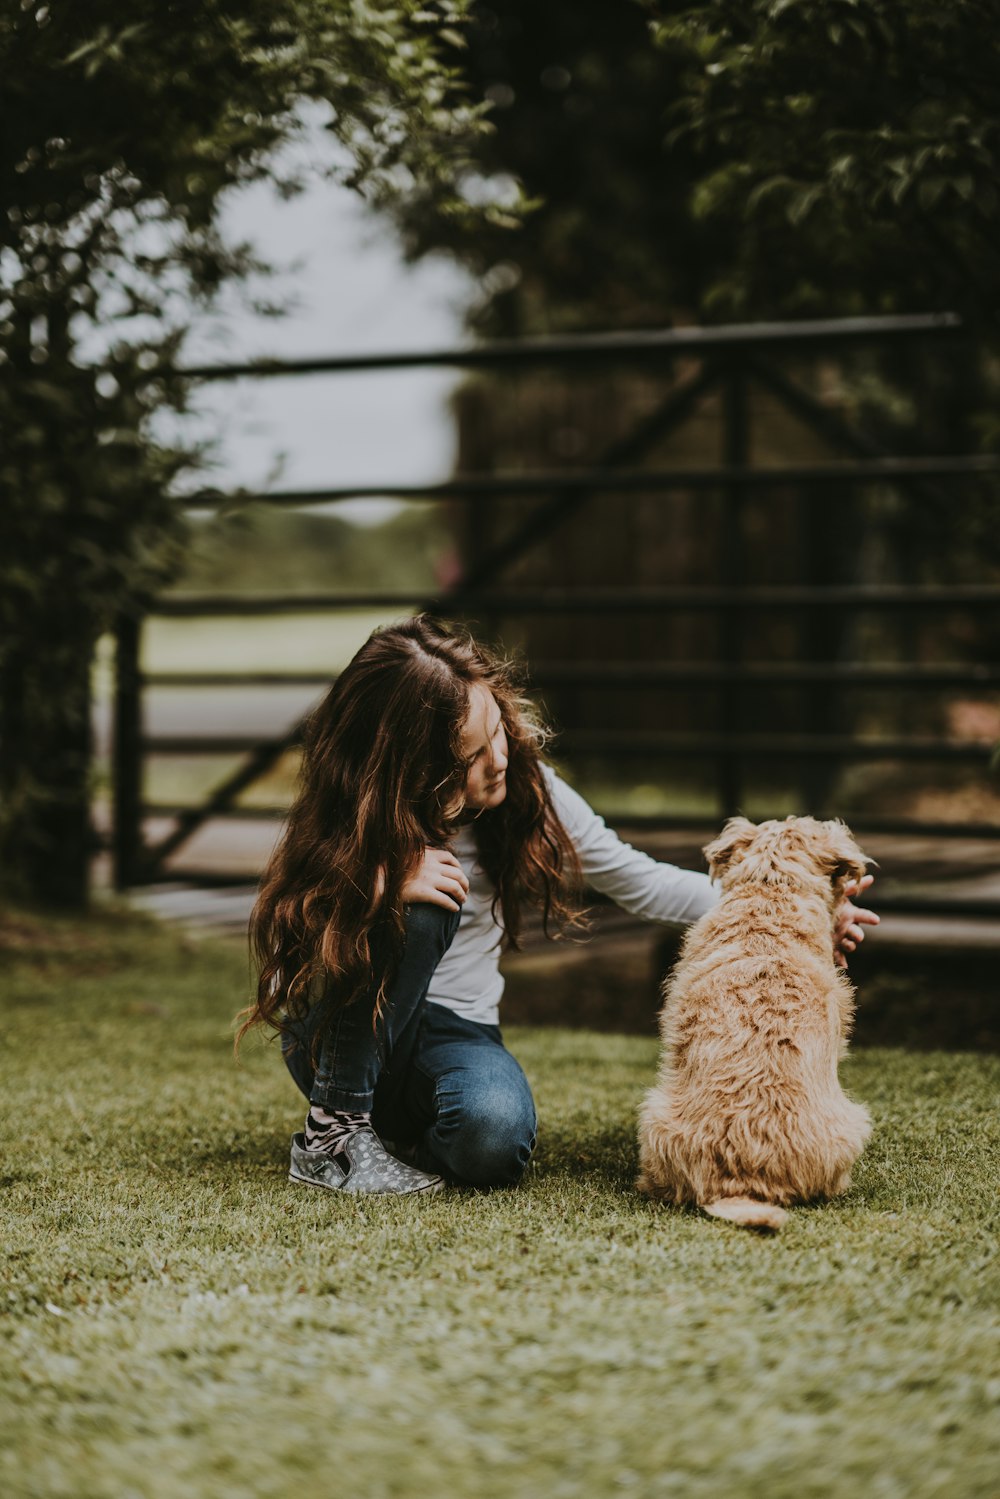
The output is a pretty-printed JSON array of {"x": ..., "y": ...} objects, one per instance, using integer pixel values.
[{"x": 665, "y": 361}]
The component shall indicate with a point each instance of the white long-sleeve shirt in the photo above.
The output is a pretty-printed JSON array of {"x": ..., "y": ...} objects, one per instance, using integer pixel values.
[{"x": 468, "y": 978}]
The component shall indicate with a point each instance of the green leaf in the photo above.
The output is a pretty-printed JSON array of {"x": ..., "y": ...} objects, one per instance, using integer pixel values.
[{"x": 931, "y": 190}]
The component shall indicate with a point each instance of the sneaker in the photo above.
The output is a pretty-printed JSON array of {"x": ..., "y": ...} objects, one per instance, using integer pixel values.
[
  {"x": 372, "y": 1169},
  {"x": 405, "y": 1153}
]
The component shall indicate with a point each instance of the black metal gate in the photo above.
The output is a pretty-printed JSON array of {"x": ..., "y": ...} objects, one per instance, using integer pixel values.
[{"x": 729, "y": 360}]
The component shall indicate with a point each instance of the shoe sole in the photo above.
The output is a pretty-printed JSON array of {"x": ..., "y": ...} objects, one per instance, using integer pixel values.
[{"x": 428, "y": 1191}]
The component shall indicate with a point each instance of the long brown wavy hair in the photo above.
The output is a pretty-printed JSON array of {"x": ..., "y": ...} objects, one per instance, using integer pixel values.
[{"x": 383, "y": 778}]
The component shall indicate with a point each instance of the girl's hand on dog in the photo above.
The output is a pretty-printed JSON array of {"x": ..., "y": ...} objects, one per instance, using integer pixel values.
[
  {"x": 851, "y": 921},
  {"x": 438, "y": 880}
]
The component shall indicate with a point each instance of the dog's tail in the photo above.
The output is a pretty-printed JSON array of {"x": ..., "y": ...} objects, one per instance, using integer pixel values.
[{"x": 748, "y": 1212}]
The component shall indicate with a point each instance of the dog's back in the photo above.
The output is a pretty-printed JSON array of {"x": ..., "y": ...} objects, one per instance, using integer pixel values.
[{"x": 748, "y": 1114}]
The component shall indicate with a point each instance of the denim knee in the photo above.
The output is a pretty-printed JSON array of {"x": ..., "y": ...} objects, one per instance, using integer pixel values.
[
  {"x": 355, "y": 1052},
  {"x": 487, "y": 1140},
  {"x": 430, "y": 926}
]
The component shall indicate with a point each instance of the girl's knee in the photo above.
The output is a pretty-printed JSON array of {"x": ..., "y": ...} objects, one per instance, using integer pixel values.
[
  {"x": 430, "y": 925},
  {"x": 490, "y": 1141}
]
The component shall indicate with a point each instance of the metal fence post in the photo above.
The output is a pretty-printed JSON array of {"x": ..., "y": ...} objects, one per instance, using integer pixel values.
[
  {"x": 736, "y": 444},
  {"x": 127, "y": 754}
]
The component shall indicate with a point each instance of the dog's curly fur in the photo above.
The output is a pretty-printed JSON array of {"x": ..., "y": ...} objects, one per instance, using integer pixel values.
[{"x": 748, "y": 1115}]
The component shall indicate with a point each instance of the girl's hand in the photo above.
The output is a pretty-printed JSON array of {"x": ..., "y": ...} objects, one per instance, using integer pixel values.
[
  {"x": 851, "y": 921},
  {"x": 438, "y": 880}
]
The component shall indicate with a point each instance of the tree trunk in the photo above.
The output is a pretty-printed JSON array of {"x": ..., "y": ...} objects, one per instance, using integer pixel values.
[{"x": 45, "y": 830}]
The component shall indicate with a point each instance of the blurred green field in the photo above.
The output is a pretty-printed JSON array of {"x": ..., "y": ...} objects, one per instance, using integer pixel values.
[
  {"x": 277, "y": 642},
  {"x": 324, "y": 643},
  {"x": 296, "y": 642},
  {"x": 310, "y": 642}
]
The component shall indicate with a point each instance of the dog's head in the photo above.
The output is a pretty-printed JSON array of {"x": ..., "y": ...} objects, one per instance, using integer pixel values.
[{"x": 798, "y": 851}]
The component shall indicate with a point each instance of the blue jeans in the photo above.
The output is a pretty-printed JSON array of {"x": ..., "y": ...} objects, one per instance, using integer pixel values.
[{"x": 433, "y": 1081}]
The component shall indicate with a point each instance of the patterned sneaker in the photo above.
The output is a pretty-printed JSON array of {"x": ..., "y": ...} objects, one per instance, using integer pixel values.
[{"x": 372, "y": 1168}]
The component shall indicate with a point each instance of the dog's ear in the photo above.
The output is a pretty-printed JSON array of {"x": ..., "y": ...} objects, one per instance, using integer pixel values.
[
  {"x": 841, "y": 856},
  {"x": 734, "y": 840}
]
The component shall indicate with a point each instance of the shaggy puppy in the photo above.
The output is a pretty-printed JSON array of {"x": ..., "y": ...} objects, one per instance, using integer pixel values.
[{"x": 748, "y": 1113}]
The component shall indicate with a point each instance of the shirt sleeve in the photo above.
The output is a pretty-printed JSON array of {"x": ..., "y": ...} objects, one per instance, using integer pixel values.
[{"x": 633, "y": 880}]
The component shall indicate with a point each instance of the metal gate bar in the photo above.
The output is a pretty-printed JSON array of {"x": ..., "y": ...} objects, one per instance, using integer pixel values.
[{"x": 731, "y": 357}]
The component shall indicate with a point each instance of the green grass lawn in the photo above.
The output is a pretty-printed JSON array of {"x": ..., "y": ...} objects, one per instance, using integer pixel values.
[{"x": 180, "y": 1320}]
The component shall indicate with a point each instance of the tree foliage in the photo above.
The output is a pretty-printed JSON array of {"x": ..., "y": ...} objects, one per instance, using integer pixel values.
[
  {"x": 734, "y": 159},
  {"x": 577, "y": 95},
  {"x": 121, "y": 128},
  {"x": 738, "y": 160},
  {"x": 848, "y": 153},
  {"x": 731, "y": 160},
  {"x": 847, "y": 161}
]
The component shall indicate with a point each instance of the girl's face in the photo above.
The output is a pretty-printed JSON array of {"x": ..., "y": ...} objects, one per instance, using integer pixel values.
[{"x": 484, "y": 745}]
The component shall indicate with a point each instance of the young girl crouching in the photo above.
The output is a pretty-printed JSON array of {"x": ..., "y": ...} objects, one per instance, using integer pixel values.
[{"x": 425, "y": 822}]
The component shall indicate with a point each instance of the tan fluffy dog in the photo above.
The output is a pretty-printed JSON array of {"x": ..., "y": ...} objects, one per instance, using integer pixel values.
[{"x": 748, "y": 1113}]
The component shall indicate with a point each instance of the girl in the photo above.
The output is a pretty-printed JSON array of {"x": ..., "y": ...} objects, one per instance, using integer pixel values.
[{"x": 425, "y": 821}]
